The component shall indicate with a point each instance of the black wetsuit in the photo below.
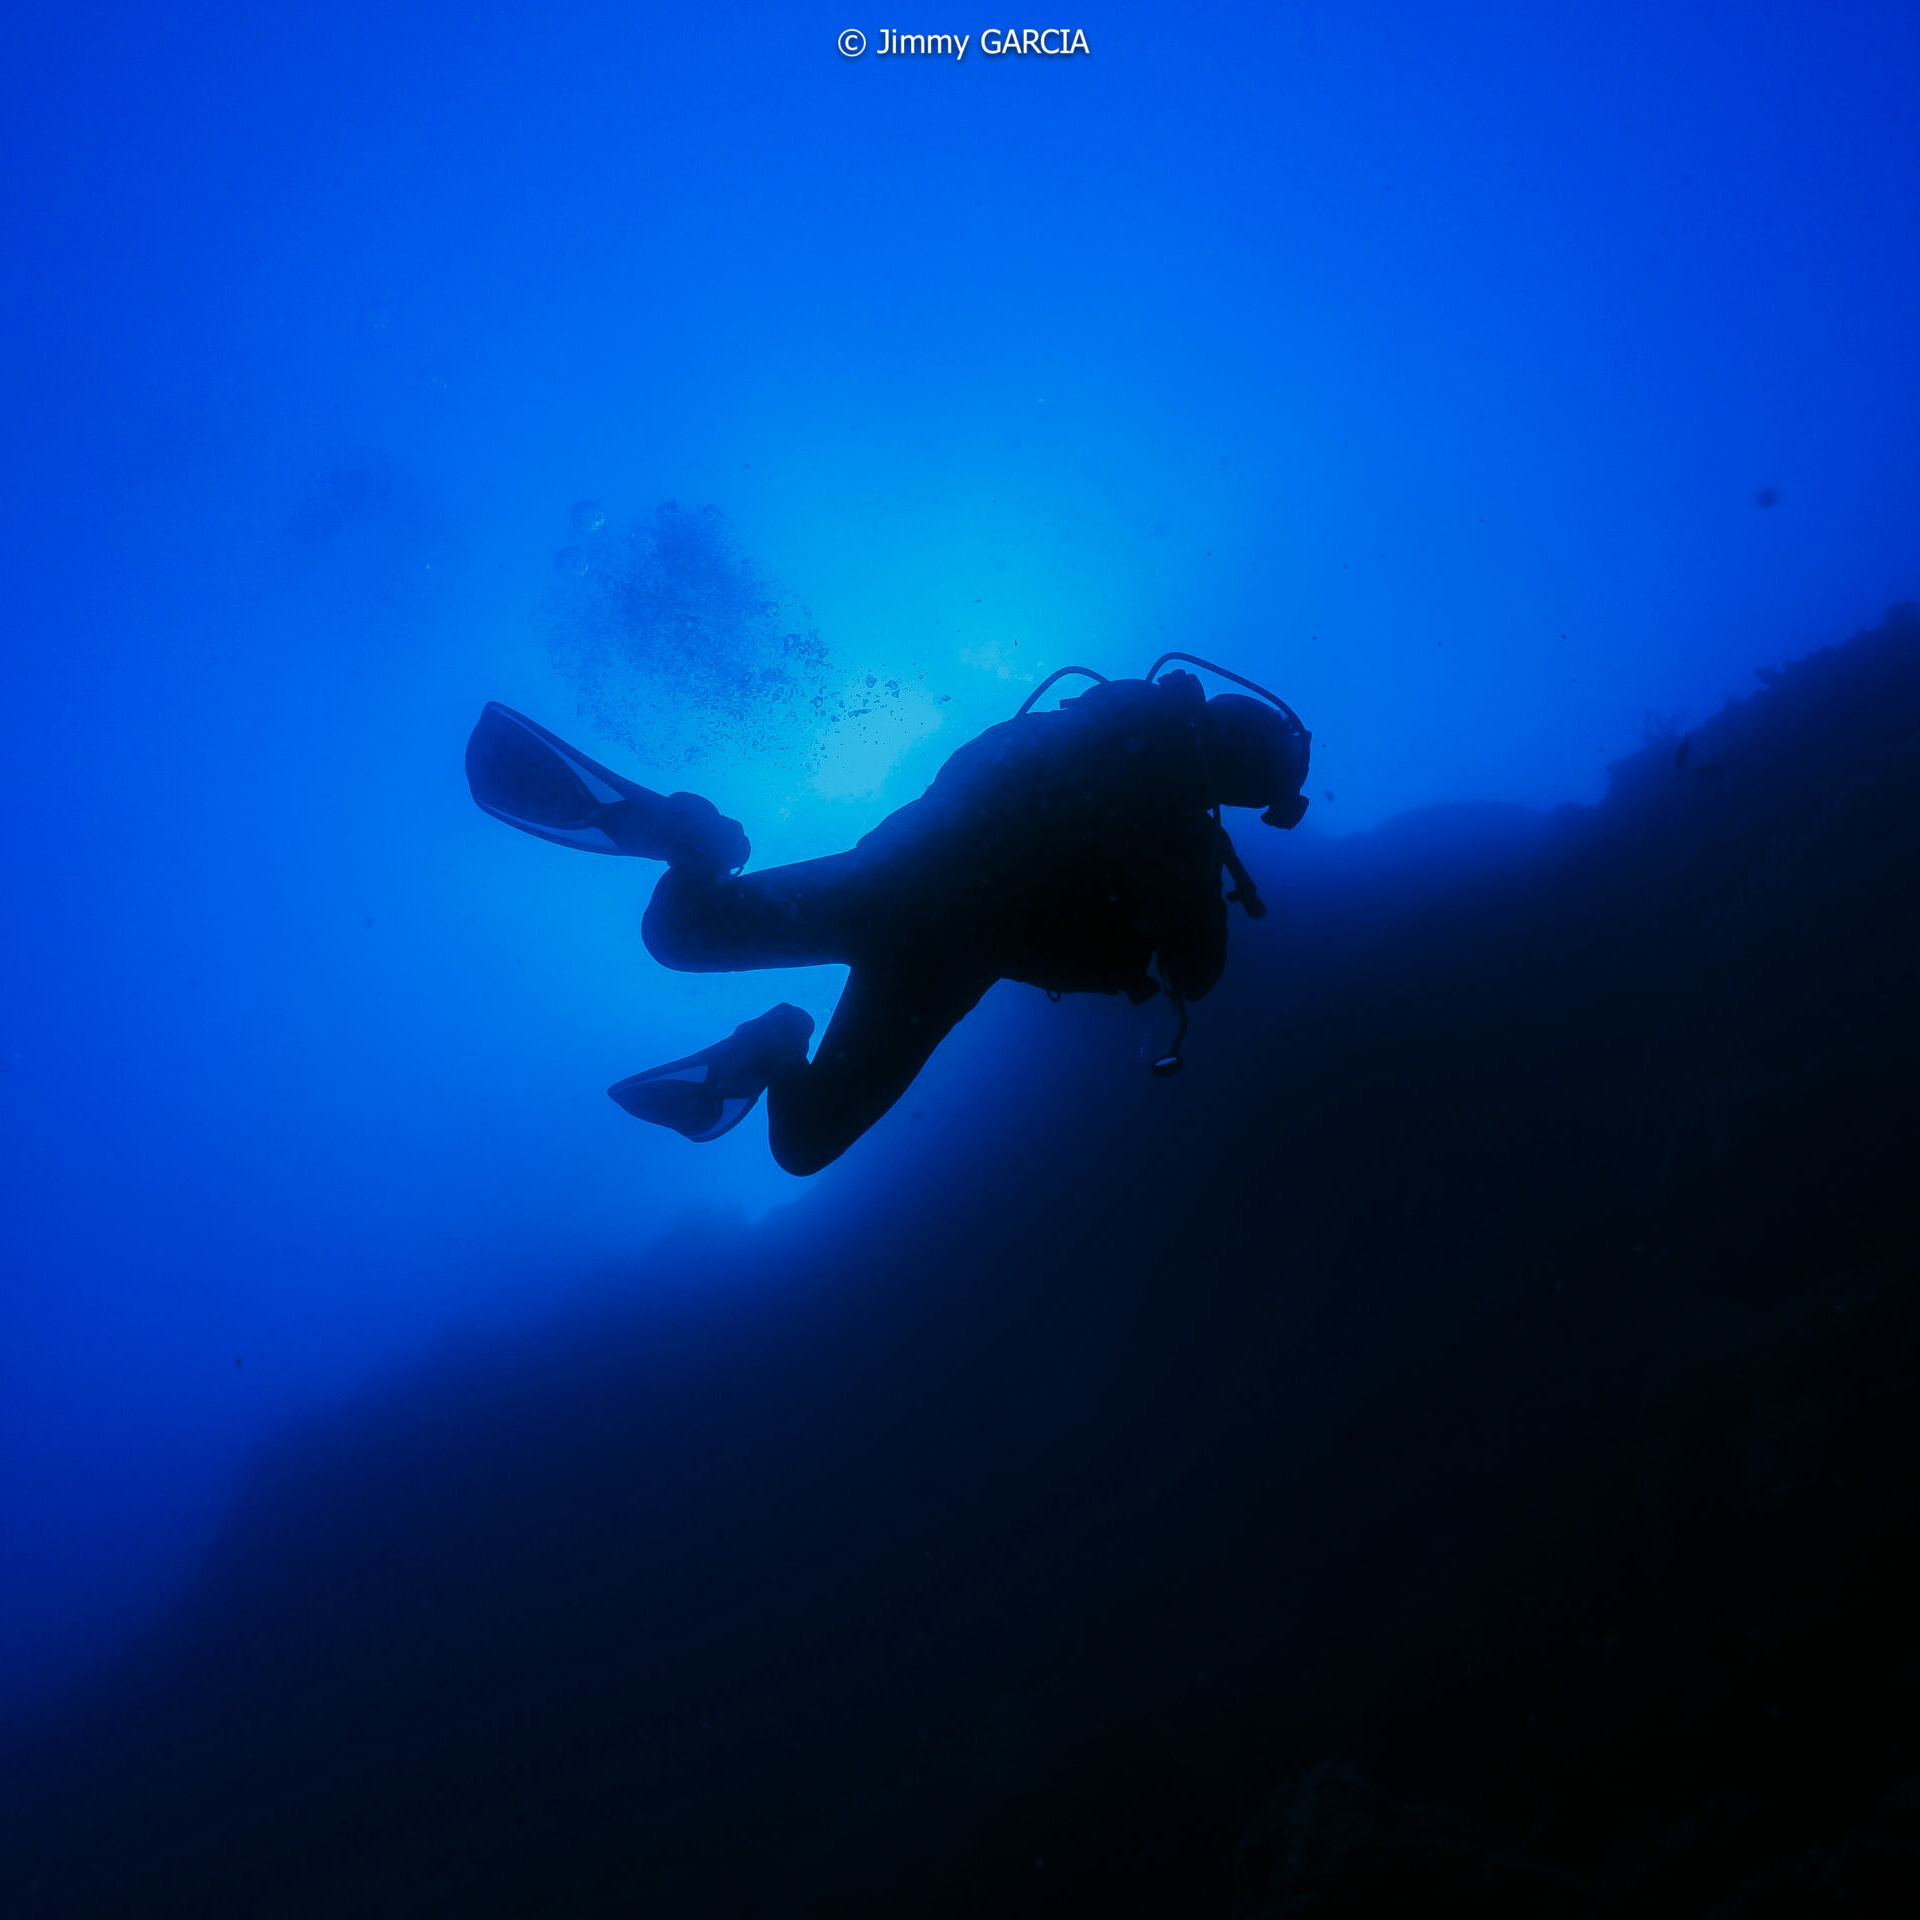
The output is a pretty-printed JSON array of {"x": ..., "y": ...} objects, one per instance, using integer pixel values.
[{"x": 1070, "y": 850}]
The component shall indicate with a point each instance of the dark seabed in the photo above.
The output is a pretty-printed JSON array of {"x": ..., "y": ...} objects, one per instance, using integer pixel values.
[{"x": 1453, "y": 1451}]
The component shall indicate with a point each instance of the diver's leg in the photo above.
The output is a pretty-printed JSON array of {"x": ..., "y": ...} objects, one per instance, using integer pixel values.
[
  {"x": 890, "y": 1018},
  {"x": 806, "y": 915},
  {"x": 887, "y": 1024}
]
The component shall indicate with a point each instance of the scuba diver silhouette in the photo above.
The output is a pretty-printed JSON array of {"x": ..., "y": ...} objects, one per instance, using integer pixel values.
[{"x": 1072, "y": 850}]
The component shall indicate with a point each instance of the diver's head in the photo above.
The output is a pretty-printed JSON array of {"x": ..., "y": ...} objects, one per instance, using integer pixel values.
[{"x": 1256, "y": 757}]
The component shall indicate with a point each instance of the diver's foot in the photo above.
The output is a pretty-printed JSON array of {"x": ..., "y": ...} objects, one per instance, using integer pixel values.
[
  {"x": 711, "y": 1092},
  {"x": 533, "y": 780},
  {"x": 778, "y": 1038},
  {"x": 692, "y": 832}
]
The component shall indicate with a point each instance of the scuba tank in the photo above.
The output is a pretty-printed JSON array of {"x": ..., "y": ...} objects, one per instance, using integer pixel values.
[{"x": 1279, "y": 813}]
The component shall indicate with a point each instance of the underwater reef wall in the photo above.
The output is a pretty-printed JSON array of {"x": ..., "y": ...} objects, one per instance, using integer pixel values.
[{"x": 1456, "y": 1449}]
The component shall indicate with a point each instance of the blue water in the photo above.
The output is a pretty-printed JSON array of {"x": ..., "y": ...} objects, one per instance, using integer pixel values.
[{"x": 1498, "y": 382}]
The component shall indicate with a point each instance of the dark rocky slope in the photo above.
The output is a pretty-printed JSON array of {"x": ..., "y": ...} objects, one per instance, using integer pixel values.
[{"x": 1454, "y": 1450}]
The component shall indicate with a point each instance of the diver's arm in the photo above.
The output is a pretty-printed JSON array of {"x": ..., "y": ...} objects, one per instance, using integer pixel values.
[
  {"x": 1194, "y": 960},
  {"x": 1193, "y": 949},
  {"x": 1244, "y": 891}
]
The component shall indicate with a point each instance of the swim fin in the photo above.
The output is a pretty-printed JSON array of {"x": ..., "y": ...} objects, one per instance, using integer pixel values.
[
  {"x": 709, "y": 1093},
  {"x": 531, "y": 779}
]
